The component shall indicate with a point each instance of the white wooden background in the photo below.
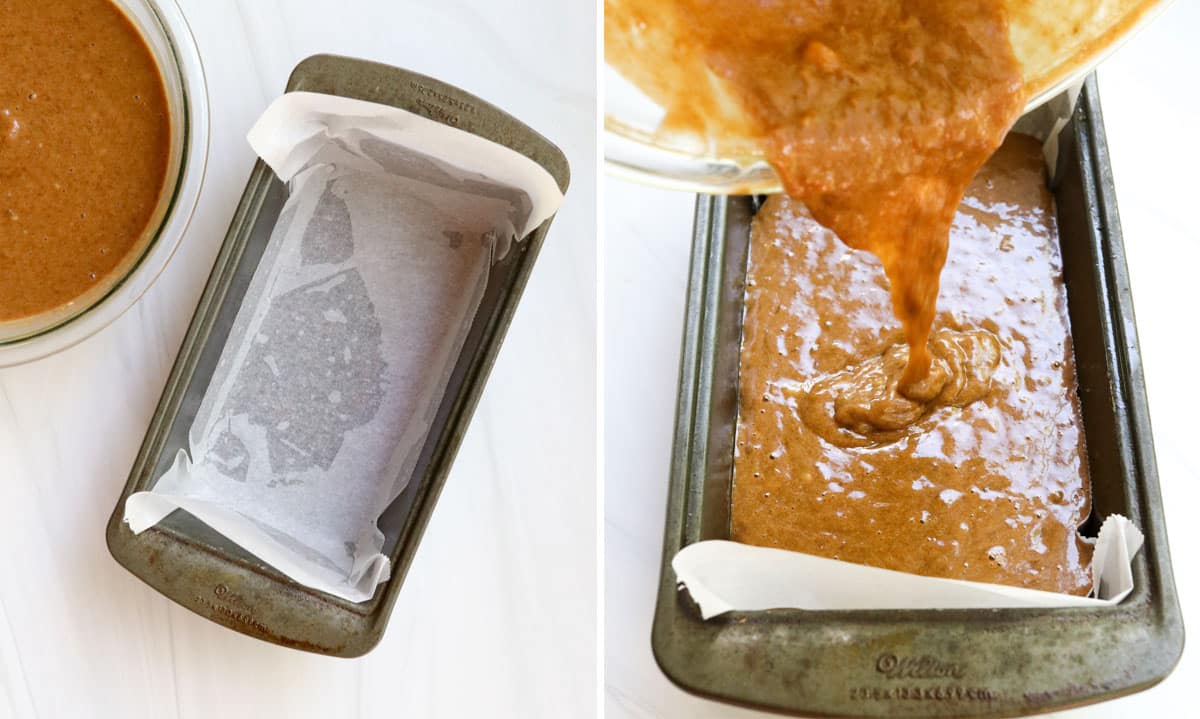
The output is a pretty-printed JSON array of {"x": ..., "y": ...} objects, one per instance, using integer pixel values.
[
  {"x": 497, "y": 617},
  {"x": 1152, "y": 115}
]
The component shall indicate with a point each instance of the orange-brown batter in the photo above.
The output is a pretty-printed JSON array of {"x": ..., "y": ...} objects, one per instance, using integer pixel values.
[
  {"x": 980, "y": 473},
  {"x": 875, "y": 114},
  {"x": 84, "y": 137}
]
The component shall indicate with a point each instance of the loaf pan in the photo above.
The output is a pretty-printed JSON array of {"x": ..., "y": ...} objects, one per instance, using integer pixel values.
[
  {"x": 198, "y": 568},
  {"x": 961, "y": 663}
]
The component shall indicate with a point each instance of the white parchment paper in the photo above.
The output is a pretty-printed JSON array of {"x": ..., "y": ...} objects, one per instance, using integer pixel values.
[
  {"x": 727, "y": 576},
  {"x": 340, "y": 354}
]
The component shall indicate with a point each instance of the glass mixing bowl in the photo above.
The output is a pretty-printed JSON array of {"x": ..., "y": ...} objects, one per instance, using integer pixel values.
[
  {"x": 162, "y": 25},
  {"x": 1057, "y": 41}
]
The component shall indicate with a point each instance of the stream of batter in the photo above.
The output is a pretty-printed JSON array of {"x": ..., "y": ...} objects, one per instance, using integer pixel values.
[{"x": 875, "y": 114}]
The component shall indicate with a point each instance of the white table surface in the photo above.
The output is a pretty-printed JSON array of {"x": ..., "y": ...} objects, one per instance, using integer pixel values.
[
  {"x": 1151, "y": 122},
  {"x": 497, "y": 616}
]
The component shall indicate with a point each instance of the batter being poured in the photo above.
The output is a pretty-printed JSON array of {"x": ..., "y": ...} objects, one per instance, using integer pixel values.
[{"x": 875, "y": 114}]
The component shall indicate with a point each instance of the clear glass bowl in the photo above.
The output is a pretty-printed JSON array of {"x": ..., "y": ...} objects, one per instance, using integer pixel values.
[
  {"x": 162, "y": 25},
  {"x": 635, "y": 149}
]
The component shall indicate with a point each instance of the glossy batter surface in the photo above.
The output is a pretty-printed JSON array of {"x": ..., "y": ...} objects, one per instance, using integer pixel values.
[
  {"x": 875, "y": 114},
  {"x": 981, "y": 474},
  {"x": 84, "y": 137}
]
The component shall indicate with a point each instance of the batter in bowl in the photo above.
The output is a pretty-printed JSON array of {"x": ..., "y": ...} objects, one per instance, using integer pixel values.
[{"x": 84, "y": 137}]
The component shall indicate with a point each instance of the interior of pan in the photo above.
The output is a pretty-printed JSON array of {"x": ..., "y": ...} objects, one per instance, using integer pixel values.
[
  {"x": 399, "y": 516},
  {"x": 1090, "y": 311}
]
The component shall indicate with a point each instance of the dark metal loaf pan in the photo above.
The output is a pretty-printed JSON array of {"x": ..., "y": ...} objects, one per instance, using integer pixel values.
[
  {"x": 200, "y": 569},
  {"x": 1006, "y": 662}
]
